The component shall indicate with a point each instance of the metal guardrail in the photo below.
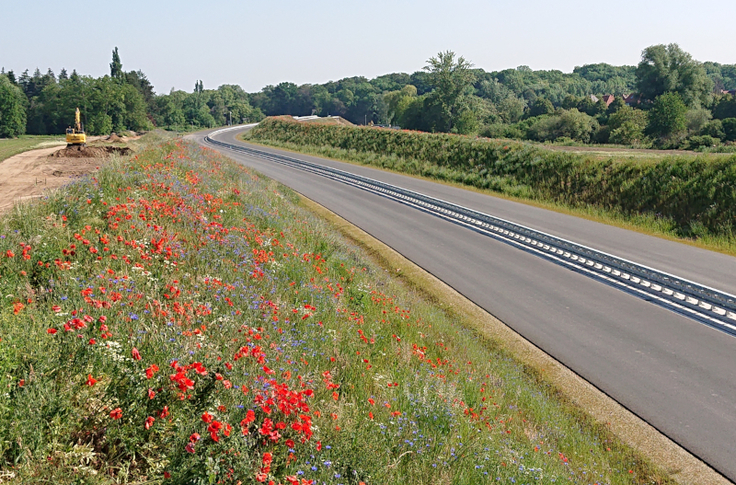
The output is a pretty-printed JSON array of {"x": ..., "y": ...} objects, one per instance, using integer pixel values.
[{"x": 711, "y": 306}]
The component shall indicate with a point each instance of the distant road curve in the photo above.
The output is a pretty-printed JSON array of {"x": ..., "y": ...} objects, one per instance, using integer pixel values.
[{"x": 675, "y": 373}]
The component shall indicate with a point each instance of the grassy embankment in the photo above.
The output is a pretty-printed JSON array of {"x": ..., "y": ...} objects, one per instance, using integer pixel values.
[
  {"x": 690, "y": 198},
  {"x": 176, "y": 318},
  {"x": 13, "y": 146}
]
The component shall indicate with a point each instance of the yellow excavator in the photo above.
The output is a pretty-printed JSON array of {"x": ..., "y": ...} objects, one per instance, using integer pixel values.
[{"x": 75, "y": 137}]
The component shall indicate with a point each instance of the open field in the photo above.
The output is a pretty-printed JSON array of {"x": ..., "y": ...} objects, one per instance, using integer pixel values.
[
  {"x": 13, "y": 146},
  {"x": 175, "y": 316}
]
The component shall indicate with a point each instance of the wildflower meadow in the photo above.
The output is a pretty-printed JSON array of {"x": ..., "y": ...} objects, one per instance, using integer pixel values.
[{"x": 177, "y": 318}]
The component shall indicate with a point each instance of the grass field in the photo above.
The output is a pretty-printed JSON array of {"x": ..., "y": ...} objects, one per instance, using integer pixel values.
[
  {"x": 13, "y": 146},
  {"x": 177, "y": 318}
]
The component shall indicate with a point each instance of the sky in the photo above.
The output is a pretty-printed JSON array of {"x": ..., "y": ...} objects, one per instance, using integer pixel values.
[{"x": 254, "y": 44}]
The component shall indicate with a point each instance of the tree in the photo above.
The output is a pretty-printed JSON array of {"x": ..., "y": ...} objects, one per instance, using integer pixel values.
[
  {"x": 627, "y": 126},
  {"x": 12, "y": 110},
  {"x": 541, "y": 106},
  {"x": 395, "y": 102},
  {"x": 729, "y": 129},
  {"x": 451, "y": 80},
  {"x": 696, "y": 119},
  {"x": 617, "y": 104},
  {"x": 725, "y": 107},
  {"x": 139, "y": 80},
  {"x": 714, "y": 129},
  {"x": 511, "y": 109},
  {"x": 665, "y": 69},
  {"x": 567, "y": 123},
  {"x": 667, "y": 119},
  {"x": 116, "y": 67}
]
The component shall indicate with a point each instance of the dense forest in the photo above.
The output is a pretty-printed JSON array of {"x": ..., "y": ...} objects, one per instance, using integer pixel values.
[{"x": 669, "y": 100}]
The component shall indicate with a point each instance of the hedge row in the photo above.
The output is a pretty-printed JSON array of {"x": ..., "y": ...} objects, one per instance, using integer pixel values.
[{"x": 696, "y": 193}]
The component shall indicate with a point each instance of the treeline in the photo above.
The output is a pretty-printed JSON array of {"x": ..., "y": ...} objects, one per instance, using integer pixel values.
[
  {"x": 669, "y": 100},
  {"x": 41, "y": 104}
]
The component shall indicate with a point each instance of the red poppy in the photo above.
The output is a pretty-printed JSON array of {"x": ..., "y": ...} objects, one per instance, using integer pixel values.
[
  {"x": 91, "y": 381},
  {"x": 116, "y": 413},
  {"x": 151, "y": 371},
  {"x": 149, "y": 422},
  {"x": 136, "y": 354},
  {"x": 267, "y": 458}
]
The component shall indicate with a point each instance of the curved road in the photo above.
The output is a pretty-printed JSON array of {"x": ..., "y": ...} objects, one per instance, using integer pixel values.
[{"x": 675, "y": 373}]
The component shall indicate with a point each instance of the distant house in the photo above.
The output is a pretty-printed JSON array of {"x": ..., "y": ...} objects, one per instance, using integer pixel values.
[
  {"x": 632, "y": 99},
  {"x": 594, "y": 98},
  {"x": 608, "y": 99},
  {"x": 732, "y": 92}
]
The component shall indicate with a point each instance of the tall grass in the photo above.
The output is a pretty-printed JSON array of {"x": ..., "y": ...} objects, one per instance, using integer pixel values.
[
  {"x": 695, "y": 195},
  {"x": 176, "y": 318}
]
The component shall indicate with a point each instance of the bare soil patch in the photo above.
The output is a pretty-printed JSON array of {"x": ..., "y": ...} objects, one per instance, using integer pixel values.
[
  {"x": 30, "y": 174},
  {"x": 90, "y": 152}
]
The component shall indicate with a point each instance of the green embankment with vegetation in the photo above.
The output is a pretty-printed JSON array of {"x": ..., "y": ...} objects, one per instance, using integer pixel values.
[
  {"x": 14, "y": 146},
  {"x": 176, "y": 318},
  {"x": 691, "y": 197}
]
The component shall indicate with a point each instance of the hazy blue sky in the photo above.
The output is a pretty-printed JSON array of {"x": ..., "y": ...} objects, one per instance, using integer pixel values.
[{"x": 258, "y": 43}]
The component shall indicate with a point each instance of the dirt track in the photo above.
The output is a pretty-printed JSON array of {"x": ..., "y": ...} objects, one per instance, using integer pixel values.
[{"x": 28, "y": 175}]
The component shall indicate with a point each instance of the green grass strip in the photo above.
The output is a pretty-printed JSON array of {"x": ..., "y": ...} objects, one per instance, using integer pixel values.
[{"x": 14, "y": 146}]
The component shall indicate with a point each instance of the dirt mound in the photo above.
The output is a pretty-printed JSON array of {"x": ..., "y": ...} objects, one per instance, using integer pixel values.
[
  {"x": 113, "y": 138},
  {"x": 89, "y": 152}
]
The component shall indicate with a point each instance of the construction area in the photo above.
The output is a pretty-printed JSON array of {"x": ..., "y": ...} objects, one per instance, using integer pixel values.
[{"x": 29, "y": 175}]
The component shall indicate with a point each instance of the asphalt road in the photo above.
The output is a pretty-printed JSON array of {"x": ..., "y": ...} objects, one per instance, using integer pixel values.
[{"x": 677, "y": 374}]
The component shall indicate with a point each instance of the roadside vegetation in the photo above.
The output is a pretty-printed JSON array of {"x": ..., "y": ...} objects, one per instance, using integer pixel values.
[
  {"x": 14, "y": 146},
  {"x": 689, "y": 197},
  {"x": 176, "y": 318}
]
